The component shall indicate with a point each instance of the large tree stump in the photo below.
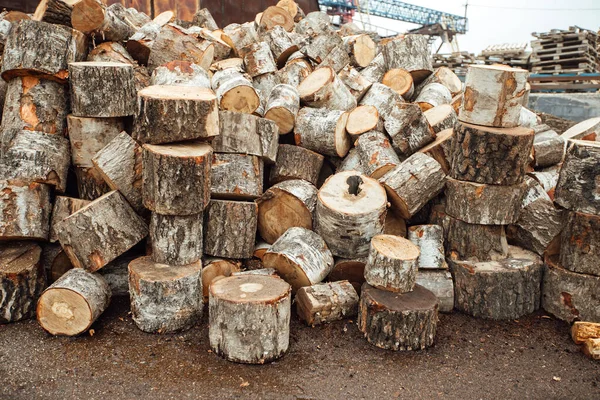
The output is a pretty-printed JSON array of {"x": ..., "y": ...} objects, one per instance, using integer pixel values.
[
  {"x": 351, "y": 270},
  {"x": 580, "y": 244},
  {"x": 176, "y": 177},
  {"x": 258, "y": 59},
  {"x": 383, "y": 98},
  {"x": 323, "y": 88},
  {"x": 112, "y": 85},
  {"x": 408, "y": 128},
  {"x": 216, "y": 269},
  {"x": 356, "y": 83},
  {"x": 176, "y": 43},
  {"x": 180, "y": 73},
  {"x": 90, "y": 183},
  {"x": 439, "y": 149},
  {"x": 230, "y": 229},
  {"x": 579, "y": 178},
  {"x": 35, "y": 157},
  {"x": 176, "y": 240},
  {"x": 433, "y": 95},
  {"x": 164, "y": 298},
  {"x": 22, "y": 279},
  {"x": 285, "y": 205},
  {"x": 407, "y": 194},
  {"x": 294, "y": 162},
  {"x": 430, "y": 241},
  {"x": 63, "y": 207},
  {"x": 398, "y": 321},
  {"x": 300, "y": 256},
  {"x": 236, "y": 177},
  {"x": 89, "y": 135},
  {"x": 440, "y": 283},
  {"x": 362, "y": 120},
  {"x": 350, "y": 210},
  {"x": 101, "y": 231},
  {"x": 43, "y": 50},
  {"x": 235, "y": 92},
  {"x": 326, "y": 302},
  {"x": 282, "y": 107},
  {"x": 392, "y": 263},
  {"x": 35, "y": 104},
  {"x": 376, "y": 154},
  {"x": 70, "y": 305},
  {"x": 441, "y": 117},
  {"x": 490, "y": 155},
  {"x": 176, "y": 113},
  {"x": 323, "y": 131},
  {"x": 94, "y": 18},
  {"x": 493, "y": 95},
  {"x": 446, "y": 77},
  {"x": 362, "y": 49},
  {"x": 411, "y": 53},
  {"x": 401, "y": 81},
  {"x": 236, "y": 304},
  {"x": 503, "y": 289},
  {"x": 281, "y": 43}
]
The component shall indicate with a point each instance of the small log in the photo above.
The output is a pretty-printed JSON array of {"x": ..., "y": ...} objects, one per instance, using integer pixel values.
[
  {"x": 322, "y": 88},
  {"x": 238, "y": 37},
  {"x": 295, "y": 72},
  {"x": 221, "y": 50},
  {"x": 444, "y": 76},
  {"x": 41, "y": 50},
  {"x": 115, "y": 52},
  {"x": 382, "y": 97},
  {"x": 300, "y": 257},
  {"x": 362, "y": 49},
  {"x": 165, "y": 299},
  {"x": 490, "y": 155},
  {"x": 130, "y": 15},
  {"x": 63, "y": 207},
  {"x": 493, "y": 96},
  {"x": 292, "y": 8},
  {"x": 113, "y": 86},
  {"x": 582, "y": 331},
  {"x": 318, "y": 47},
  {"x": 176, "y": 240},
  {"x": 314, "y": 23},
  {"x": 408, "y": 128},
  {"x": 281, "y": 44},
  {"x": 392, "y": 264},
  {"x": 377, "y": 156},
  {"x": 176, "y": 43},
  {"x": 235, "y": 304},
  {"x": 430, "y": 241},
  {"x": 398, "y": 321},
  {"x": 216, "y": 269},
  {"x": 83, "y": 233},
  {"x": 548, "y": 149},
  {"x": 375, "y": 71},
  {"x": 276, "y": 16},
  {"x": 35, "y": 104},
  {"x": 204, "y": 19},
  {"x": 263, "y": 84},
  {"x": 351, "y": 162},
  {"x": 294, "y": 162},
  {"x": 90, "y": 135},
  {"x": 351, "y": 270},
  {"x": 356, "y": 83},
  {"x": 322, "y": 130},
  {"x": 175, "y": 113},
  {"x": 230, "y": 229},
  {"x": 70, "y": 305},
  {"x": 54, "y": 12},
  {"x": 363, "y": 119},
  {"x": 235, "y": 63},
  {"x": 400, "y": 81},
  {"x": 441, "y": 117},
  {"x": 140, "y": 43},
  {"x": 337, "y": 59},
  {"x": 285, "y": 205},
  {"x": 579, "y": 176},
  {"x": 548, "y": 178},
  {"x": 258, "y": 59},
  {"x": 411, "y": 53},
  {"x": 90, "y": 183},
  {"x": 22, "y": 280},
  {"x": 413, "y": 183},
  {"x": 440, "y": 283},
  {"x": 501, "y": 290},
  {"x": 433, "y": 95},
  {"x": 439, "y": 149},
  {"x": 236, "y": 177},
  {"x": 282, "y": 107},
  {"x": 235, "y": 92},
  {"x": 580, "y": 244},
  {"x": 326, "y": 302},
  {"x": 176, "y": 177},
  {"x": 591, "y": 348},
  {"x": 585, "y": 130},
  {"x": 94, "y": 18},
  {"x": 350, "y": 210}
]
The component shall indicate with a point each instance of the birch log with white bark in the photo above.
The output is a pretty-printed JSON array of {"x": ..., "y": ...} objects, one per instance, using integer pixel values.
[
  {"x": 362, "y": 120},
  {"x": 63, "y": 207},
  {"x": 326, "y": 302},
  {"x": 356, "y": 83},
  {"x": 392, "y": 264},
  {"x": 411, "y": 53},
  {"x": 323, "y": 88},
  {"x": 433, "y": 95},
  {"x": 322, "y": 130},
  {"x": 282, "y": 107},
  {"x": 103, "y": 23},
  {"x": 441, "y": 284},
  {"x": 376, "y": 154},
  {"x": 236, "y": 176},
  {"x": 230, "y": 229},
  {"x": 430, "y": 241},
  {"x": 90, "y": 135},
  {"x": 25, "y": 208},
  {"x": 180, "y": 73},
  {"x": 408, "y": 128},
  {"x": 382, "y": 97},
  {"x": 441, "y": 117}
]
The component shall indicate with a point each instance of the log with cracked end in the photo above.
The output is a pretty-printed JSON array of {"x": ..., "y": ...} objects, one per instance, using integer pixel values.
[
  {"x": 439, "y": 149},
  {"x": 362, "y": 49},
  {"x": 90, "y": 183},
  {"x": 236, "y": 176},
  {"x": 89, "y": 135},
  {"x": 440, "y": 283},
  {"x": 580, "y": 243},
  {"x": 356, "y": 83},
  {"x": 258, "y": 59},
  {"x": 285, "y": 205},
  {"x": 176, "y": 239},
  {"x": 235, "y": 92},
  {"x": 94, "y": 18},
  {"x": 235, "y": 304},
  {"x": 326, "y": 302},
  {"x": 383, "y": 98},
  {"x": 180, "y": 73},
  {"x": 446, "y": 77},
  {"x": 441, "y": 117},
  {"x": 409, "y": 52},
  {"x": 408, "y": 128},
  {"x": 300, "y": 256},
  {"x": 70, "y": 305},
  {"x": 115, "y": 52},
  {"x": 25, "y": 208},
  {"x": 176, "y": 43},
  {"x": 63, "y": 207},
  {"x": 323, "y": 88},
  {"x": 401, "y": 81},
  {"x": 392, "y": 263},
  {"x": 322, "y": 130},
  {"x": 363, "y": 119},
  {"x": 376, "y": 154},
  {"x": 215, "y": 269},
  {"x": 430, "y": 241},
  {"x": 282, "y": 107},
  {"x": 165, "y": 298},
  {"x": 295, "y": 162},
  {"x": 583, "y": 330},
  {"x": 230, "y": 229},
  {"x": 398, "y": 321}
]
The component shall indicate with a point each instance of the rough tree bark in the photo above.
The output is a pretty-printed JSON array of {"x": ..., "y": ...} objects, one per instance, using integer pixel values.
[
  {"x": 411, "y": 53},
  {"x": 441, "y": 117},
  {"x": 230, "y": 229},
  {"x": 236, "y": 176},
  {"x": 440, "y": 283},
  {"x": 115, "y": 52},
  {"x": 282, "y": 107},
  {"x": 63, "y": 207},
  {"x": 323, "y": 88},
  {"x": 580, "y": 244},
  {"x": 103, "y": 23},
  {"x": 25, "y": 209},
  {"x": 392, "y": 264},
  {"x": 258, "y": 59},
  {"x": 89, "y": 135},
  {"x": 376, "y": 154},
  {"x": 294, "y": 162},
  {"x": 375, "y": 71},
  {"x": 90, "y": 183},
  {"x": 356, "y": 83},
  {"x": 430, "y": 241},
  {"x": 322, "y": 130},
  {"x": 180, "y": 73},
  {"x": 408, "y": 128},
  {"x": 326, "y": 302},
  {"x": 433, "y": 95}
]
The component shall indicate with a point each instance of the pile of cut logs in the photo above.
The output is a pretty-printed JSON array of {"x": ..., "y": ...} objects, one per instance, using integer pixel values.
[{"x": 272, "y": 159}]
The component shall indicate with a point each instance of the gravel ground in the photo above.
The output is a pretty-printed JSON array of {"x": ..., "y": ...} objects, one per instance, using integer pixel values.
[{"x": 472, "y": 359}]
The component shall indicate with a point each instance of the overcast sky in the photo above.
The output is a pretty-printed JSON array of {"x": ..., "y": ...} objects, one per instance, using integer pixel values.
[{"x": 507, "y": 21}]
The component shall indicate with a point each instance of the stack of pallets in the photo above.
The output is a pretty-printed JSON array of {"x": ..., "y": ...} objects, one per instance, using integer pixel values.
[
  {"x": 457, "y": 62},
  {"x": 513, "y": 54}
]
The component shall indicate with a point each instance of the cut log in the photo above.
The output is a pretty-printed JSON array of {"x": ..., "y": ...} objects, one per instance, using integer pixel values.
[
  {"x": 285, "y": 205},
  {"x": 236, "y": 176},
  {"x": 294, "y": 73},
  {"x": 579, "y": 178},
  {"x": 263, "y": 84},
  {"x": 362, "y": 120},
  {"x": 90, "y": 135},
  {"x": 63, "y": 207},
  {"x": 176, "y": 177},
  {"x": 350, "y": 210},
  {"x": 337, "y": 59},
  {"x": 585, "y": 130},
  {"x": 22, "y": 280},
  {"x": 221, "y": 50},
  {"x": 25, "y": 209},
  {"x": 580, "y": 244},
  {"x": 441, "y": 117},
  {"x": 322, "y": 130},
  {"x": 258, "y": 59},
  {"x": 130, "y": 15},
  {"x": 548, "y": 178},
  {"x": 100, "y": 232},
  {"x": 548, "y": 148},
  {"x": 591, "y": 348},
  {"x": 440, "y": 283},
  {"x": 54, "y": 11},
  {"x": 433, "y": 95},
  {"x": 300, "y": 257},
  {"x": 318, "y": 47},
  {"x": 582, "y": 331},
  {"x": 444, "y": 76},
  {"x": 42, "y": 50},
  {"x": 56, "y": 262},
  {"x": 382, "y": 97},
  {"x": 237, "y": 64},
  {"x": 351, "y": 270},
  {"x": 269, "y": 139},
  {"x": 103, "y": 23},
  {"x": 236, "y": 304},
  {"x": 413, "y": 183},
  {"x": 35, "y": 157},
  {"x": 375, "y": 71},
  {"x": 281, "y": 44},
  {"x": 376, "y": 154},
  {"x": 351, "y": 162},
  {"x": 276, "y": 16},
  {"x": 120, "y": 164},
  {"x": 90, "y": 183},
  {"x": 115, "y": 52},
  {"x": 292, "y": 8},
  {"x": 165, "y": 299},
  {"x": 400, "y": 81},
  {"x": 490, "y": 155},
  {"x": 70, "y": 305},
  {"x": 282, "y": 107},
  {"x": 140, "y": 44},
  {"x": 35, "y": 104},
  {"x": 111, "y": 83},
  {"x": 230, "y": 229},
  {"x": 439, "y": 149},
  {"x": 430, "y": 241},
  {"x": 322, "y": 88},
  {"x": 398, "y": 321},
  {"x": 314, "y": 23},
  {"x": 411, "y": 53},
  {"x": 493, "y": 95},
  {"x": 238, "y": 37},
  {"x": 216, "y": 269},
  {"x": 294, "y": 162},
  {"x": 235, "y": 92},
  {"x": 408, "y": 128},
  {"x": 362, "y": 49},
  {"x": 501, "y": 290},
  {"x": 176, "y": 240},
  {"x": 204, "y": 19},
  {"x": 176, "y": 113},
  {"x": 326, "y": 302},
  {"x": 176, "y": 43},
  {"x": 392, "y": 264},
  {"x": 356, "y": 83},
  {"x": 528, "y": 118}
]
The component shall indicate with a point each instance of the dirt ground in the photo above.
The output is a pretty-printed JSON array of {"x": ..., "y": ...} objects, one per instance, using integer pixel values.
[{"x": 472, "y": 359}]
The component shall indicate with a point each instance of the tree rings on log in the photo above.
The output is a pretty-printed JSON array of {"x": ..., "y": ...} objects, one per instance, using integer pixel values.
[
  {"x": 176, "y": 240},
  {"x": 430, "y": 241},
  {"x": 236, "y": 304},
  {"x": 323, "y": 131},
  {"x": 164, "y": 298},
  {"x": 276, "y": 16},
  {"x": 580, "y": 244},
  {"x": 323, "y": 88},
  {"x": 361, "y": 48},
  {"x": 230, "y": 229},
  {"x": 25, "y": 209},
  {"x": 440, "y": 283},
  {"x": 409, "y": 52},
  {"x": 400, "y": 81},
  {"x": 89, "y": 135},
  {"x": 295, "y": 162},
  {"x": 392, "y": 263},
  {"x": 235, "y": 92},
  {"x": 376, "y": 154},
  {"x": 236, "y": 176},
  {"x": 94, "y": 18},
  {"x": 363, "y": 119},
  {"x": 398, "y": 321},
  {"x": 326, "y": 302}
]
